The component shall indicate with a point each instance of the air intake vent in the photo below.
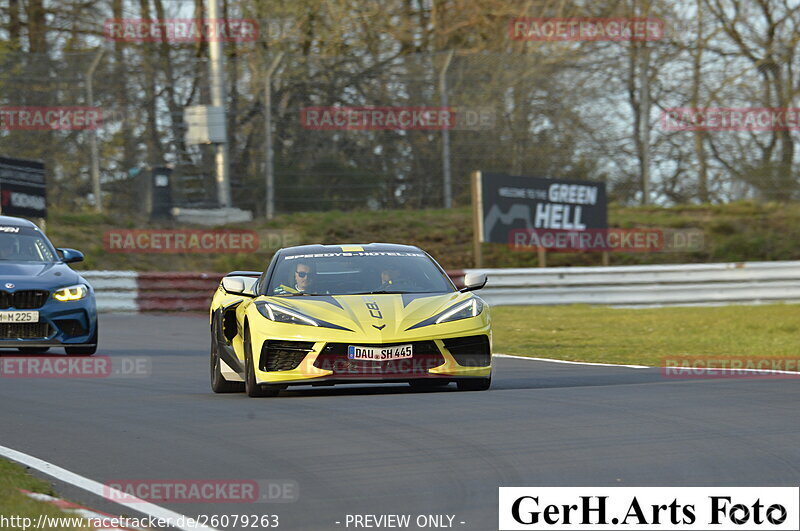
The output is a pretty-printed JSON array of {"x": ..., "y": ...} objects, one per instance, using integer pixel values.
[
  {"x": 24, "y": 330},
  {"x": 23, "y": 300},
  {"x": 283, "y": 355},
  {"x": 470, "y": 351}
]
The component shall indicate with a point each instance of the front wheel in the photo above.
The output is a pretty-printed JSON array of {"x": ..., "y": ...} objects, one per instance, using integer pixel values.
[
  {"x": 218, "y": 383},
  {"x": 474, "y": 384},
  {"x": 252, "y": 388},
  {"x": 84, "y": 351}
]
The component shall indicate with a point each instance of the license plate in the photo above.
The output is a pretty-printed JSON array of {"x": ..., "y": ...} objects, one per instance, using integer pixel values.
[
  {"x": 397, "y": 352},
  {"x": 19, "y": 317}
]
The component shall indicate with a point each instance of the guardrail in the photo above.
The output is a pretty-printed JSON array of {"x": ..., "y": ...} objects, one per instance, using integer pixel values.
[
  {"x": 652, "y": 285},
  {"x": 655, "y": 285},
  {"x": 116, "y": 291}
]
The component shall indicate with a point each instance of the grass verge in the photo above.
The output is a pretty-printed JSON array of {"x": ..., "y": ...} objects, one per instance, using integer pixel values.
[
  {"x": 13, "y": 503},
  {"x": 732, "y": 232},
  {"x": 647, "y": 336}
]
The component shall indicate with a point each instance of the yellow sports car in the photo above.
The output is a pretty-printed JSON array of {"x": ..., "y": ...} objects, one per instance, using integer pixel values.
[{"x": 331, "y": 314}]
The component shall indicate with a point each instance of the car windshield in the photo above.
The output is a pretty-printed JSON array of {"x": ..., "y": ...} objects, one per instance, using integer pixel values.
[
  {"x": 350, "y": 273},
  {"x": 23, "y": 244}
]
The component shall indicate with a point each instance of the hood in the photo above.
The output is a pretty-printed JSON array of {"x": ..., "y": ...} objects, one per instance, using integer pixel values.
[
  {"x": 36, "y": 275},
  {"x": 379, "y": 318}
]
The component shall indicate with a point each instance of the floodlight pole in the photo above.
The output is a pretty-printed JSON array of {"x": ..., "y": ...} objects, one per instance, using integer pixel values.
[
  {"x": 95, "y": 165},
  {"x": 269, "y": 169},
  {"x": 217, "y": 71},
  {"x": 448, "y": 187}
]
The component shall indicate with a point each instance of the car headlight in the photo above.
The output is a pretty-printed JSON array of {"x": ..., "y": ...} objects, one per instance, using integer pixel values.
[
  {"x": 279, "y": 314},
  {"x": 462, "y": 310},
  {"x": 465, "y": 310},
  {"x": 71, "y": 293}
]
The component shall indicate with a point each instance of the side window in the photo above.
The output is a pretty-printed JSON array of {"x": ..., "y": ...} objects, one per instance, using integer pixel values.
[{"x": 263, "y": 281}]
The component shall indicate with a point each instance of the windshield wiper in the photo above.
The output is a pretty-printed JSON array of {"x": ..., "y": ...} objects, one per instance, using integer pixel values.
[{"x": 381, "y": 292}]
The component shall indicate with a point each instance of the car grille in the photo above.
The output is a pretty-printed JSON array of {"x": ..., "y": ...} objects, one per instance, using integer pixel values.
[
  {"x": 283, "y": 355},
  {"x": 71, "y": 327},
  {"x": 30, "y": 299},
  {"x": 425, "y": 357},
  {"x": 24, "y": 330},
  {"x": 470, "y": 351}
]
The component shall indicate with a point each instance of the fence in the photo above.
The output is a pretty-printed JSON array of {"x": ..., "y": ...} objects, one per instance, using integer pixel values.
[
  {"x": 690, "y": 284},
  {"x": 544, "y": 109}
]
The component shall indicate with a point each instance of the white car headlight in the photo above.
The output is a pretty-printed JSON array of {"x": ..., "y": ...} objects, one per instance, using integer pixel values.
[
  {"x": 280, "y": 314},
  {"x": 276, "y": 313},
  {"x": 71, "y": 293},
  {"x": 465, "y": 310},
  {"x": 462, "y": 310}
]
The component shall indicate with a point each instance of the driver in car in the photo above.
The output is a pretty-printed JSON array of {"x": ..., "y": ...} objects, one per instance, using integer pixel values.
[
  {"x": 389, "y": 277},
  {"x": 303, "y": 278}
]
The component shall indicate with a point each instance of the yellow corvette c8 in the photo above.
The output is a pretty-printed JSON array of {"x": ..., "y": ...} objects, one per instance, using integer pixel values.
[{"x": 333, "y": 314}]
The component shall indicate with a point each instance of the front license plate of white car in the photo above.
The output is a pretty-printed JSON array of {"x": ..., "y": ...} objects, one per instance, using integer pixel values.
[
  {"x": 19, "y": 317},
  {"x": 396, "y": 352}
]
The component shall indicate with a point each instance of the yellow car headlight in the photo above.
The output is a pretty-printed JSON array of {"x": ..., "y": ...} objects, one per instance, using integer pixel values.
[{"x": 71, "y": 293}]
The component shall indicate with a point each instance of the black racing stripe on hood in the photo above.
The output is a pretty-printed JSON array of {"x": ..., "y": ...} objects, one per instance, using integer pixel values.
[
  {"x": 409, "y": 297},
  {"x": 329, "y": 299}
]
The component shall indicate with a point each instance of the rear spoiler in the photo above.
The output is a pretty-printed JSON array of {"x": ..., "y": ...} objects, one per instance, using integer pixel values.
[{"x": 244, "y": 274}]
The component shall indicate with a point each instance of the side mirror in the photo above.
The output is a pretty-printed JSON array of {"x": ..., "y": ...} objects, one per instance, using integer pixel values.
[
  {"x": 70, "y": 256},
  {"x": 239, "y": 286},
  {"x": 473, "y": 281}
]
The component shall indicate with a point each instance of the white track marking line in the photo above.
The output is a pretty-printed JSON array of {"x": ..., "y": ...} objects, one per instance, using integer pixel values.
[
  {"x": 101, "y": 490},
  {"x": 74, "y": 508},
  {"x": 676, "y": 368},
  {"x": 549, "y": 360}
]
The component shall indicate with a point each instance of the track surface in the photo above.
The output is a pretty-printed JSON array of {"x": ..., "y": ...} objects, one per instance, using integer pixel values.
[{"x": 388, "y": 450}]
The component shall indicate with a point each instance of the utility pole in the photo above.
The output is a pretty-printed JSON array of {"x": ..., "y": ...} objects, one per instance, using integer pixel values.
[
  {"x": 448, "y": 187},
  {"x": 98, "y": 194},
  {"x": 217, "y": 68},
  {"x": 644, "y": 122},
  {"x": 269, "y": 154}
]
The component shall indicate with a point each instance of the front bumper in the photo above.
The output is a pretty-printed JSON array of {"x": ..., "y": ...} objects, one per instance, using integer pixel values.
[
  {"x": 326, "y": 362},
  {"x": 71, "y": 323}
]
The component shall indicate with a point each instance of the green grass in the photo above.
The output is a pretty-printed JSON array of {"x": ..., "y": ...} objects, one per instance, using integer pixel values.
[
  {"x": 647, "y": 336},
  {"x": 733, "y": 232},
  {"x": 14, "y": 503}
]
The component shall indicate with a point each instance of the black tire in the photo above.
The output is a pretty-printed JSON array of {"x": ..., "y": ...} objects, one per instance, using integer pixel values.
[
  {"x": 33, "y": 350},
  {"x": 427, "y": 385},
  {"x": 84, "y": 351},
  {"x": 474, "y": 384},
  {"x": 253, "y": 389},
  {"x": 218, "y": 383}
]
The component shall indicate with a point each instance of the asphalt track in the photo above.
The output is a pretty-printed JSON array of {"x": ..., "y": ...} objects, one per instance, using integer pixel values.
[{"x": 388, "y": 450}]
